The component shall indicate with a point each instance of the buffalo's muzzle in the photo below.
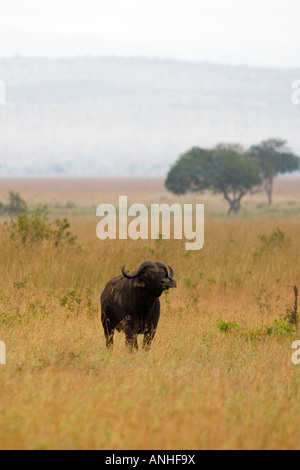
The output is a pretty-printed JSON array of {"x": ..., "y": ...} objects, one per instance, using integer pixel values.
[{"x": 168, "y": 284}]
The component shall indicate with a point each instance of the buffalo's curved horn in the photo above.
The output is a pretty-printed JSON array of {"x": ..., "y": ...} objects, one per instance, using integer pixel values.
[
  {"x": 162, "y": 265},
  {"x": 129, "y": 276},
  {"x": 171, "y": 273},
  {"x": 145, "y": 264}
]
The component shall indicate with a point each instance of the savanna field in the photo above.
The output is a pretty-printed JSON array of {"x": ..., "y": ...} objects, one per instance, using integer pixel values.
[{"x": 219, "y": 374}]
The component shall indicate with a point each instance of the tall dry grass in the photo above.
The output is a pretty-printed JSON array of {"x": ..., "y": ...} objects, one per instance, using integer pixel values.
[{"x": 197, "y": 388}]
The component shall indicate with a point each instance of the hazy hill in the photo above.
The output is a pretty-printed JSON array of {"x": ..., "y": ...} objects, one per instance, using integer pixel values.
[{"x": 113, "y": 116}]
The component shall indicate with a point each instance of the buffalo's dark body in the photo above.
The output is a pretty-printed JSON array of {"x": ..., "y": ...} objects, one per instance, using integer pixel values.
[{"x": 132, "y": 304}]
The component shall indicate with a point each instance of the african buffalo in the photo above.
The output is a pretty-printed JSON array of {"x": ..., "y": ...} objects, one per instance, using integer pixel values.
[{"x": 130, "y": 303}]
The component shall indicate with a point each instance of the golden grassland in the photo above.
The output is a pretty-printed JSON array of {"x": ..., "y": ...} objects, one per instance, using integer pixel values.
[{"x": 199, "y": 387}]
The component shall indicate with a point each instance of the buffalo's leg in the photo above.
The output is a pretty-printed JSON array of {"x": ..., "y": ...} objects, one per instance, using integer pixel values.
[
  {"x": 109, "y": 336},
  {"x": 131, "y": 338},
  {"x": 131, "y": 341},
  {"x": 108, "y": 332},
  {"x": 148, "y": 338}
]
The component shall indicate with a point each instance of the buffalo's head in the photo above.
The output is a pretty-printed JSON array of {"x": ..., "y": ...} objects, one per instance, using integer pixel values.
[{"x": 155, "y": 277}]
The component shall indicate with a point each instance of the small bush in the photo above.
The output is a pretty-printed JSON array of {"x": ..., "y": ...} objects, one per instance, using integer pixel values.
[
  {"x": 279, "y": 328},
  {"x": 30, "y": 227},
  {"x": 15, "y": 204},
  {"x": 34, "y": 226},
  {"x": 71, "y": 301},
  {"x": 268, "y": 243},
  {"x": 225, "y": 326},
  {"x": 283, "y": 328},
  {"x": 61, "y": 233}
]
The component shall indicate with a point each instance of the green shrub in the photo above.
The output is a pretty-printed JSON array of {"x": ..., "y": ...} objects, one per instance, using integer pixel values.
[
  {"x": 268, "y": 243},
  {"x": 280, "y": 328},
  {"x": 61, "y": 233},
  {"x": 15, "y": 204},
  {"x": 34, "y": 226},
  {"x": 225, "y": 326},
  {"x": 283, "y": 328}
]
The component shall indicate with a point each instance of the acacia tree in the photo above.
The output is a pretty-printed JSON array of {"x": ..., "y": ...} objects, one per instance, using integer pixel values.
[
  {"x": 225, "y": 169},
  {"x": 273, "y": 157}
]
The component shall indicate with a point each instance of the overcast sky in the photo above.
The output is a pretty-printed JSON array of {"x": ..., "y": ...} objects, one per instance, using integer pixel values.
[{"x": 255, "y": 32}]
